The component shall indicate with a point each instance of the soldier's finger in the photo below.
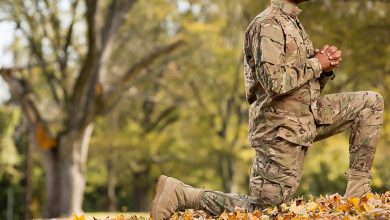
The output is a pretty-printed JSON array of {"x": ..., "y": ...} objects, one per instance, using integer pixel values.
[
  {"x": 338, "y": 52},
  {"x": 335, "y": 56},
  {"x": 331, "y": 50},
  {"x": 334, "y": 63},
  {"x": 325, "y": 48},
  {"x": 317, "y": 51}
]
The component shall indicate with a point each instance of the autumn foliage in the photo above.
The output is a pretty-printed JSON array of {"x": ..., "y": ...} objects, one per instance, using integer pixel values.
[{"x": 371, "y": 206}]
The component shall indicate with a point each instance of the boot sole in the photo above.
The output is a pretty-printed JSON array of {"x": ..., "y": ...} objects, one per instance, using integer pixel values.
[{"x": 159, "y": 189}]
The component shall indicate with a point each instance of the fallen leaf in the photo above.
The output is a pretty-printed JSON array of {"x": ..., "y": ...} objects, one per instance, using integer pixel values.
[{"x": 81, "y": 217}]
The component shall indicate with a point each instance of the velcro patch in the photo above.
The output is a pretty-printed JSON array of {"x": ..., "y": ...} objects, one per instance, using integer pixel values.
[{"x": 273, "y": 32}]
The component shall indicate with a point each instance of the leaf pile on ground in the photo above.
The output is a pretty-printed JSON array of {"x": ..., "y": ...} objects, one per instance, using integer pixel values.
[{"x": 371, "y": 206}]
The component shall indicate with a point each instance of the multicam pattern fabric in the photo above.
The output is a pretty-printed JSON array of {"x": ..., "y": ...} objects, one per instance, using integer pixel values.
[
  {"x": 360, "y": 111},
  {"x": 282, "y": 77},
  {"x": 275, "y": 177},
  {"x": 287, "y": 114},
  {"x": 278, "y": 166}
]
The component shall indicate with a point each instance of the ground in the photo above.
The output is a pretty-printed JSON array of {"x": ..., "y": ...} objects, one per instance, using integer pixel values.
[{"x": 371, "y": 206}]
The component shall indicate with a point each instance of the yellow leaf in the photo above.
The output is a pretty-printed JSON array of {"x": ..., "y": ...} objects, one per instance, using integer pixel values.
[
  {"x": 368, "y": 207},
  {"x": 297, "y": 209},
  {"x": 187, "y": 215},
  {"x": 342, "y": 208},
  {"x": 354, "y": 202},
  {"x": 257, "y": 214},
  {"x": 43, "y": 137},
  {"x": 134, "y": 217},
  {"x": 335, "y": 199},
  {"x": 311, "y": 206},
  {"x": 232, "y": 216},
  {"x": 120, "y": 217},
  {"x": 175, "y": 216},
  {"x": 242, "y": 215},
  {"x": 370, "y": 196},
  {"x": 75, "y": 217},
  {"x": 284, "y": 207},
  {"x": 224, "y": 216}
]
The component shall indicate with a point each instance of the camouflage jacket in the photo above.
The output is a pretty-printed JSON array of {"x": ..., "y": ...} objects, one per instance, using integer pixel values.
[{"x": 282, "y": 77}]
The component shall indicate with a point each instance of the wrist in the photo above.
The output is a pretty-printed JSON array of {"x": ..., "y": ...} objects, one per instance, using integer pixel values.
[
  {"x": 328, "y": 73},
  {"x": 316, "y": 66}
]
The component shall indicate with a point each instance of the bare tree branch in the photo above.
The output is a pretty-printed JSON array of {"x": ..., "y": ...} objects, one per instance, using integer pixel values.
[
  {"x": 115, "y": 17},
  {"x": 87, "y": 84},
  {"x": 86, "y": 70},
  {"x": 68, "y": 41},
  {"x": 164, "y": 114},
  {"x": 21, "y": 91},
  {"x": 148, "y": 60},
  {"x": 81, "y": 102},
  {"x": 112, "y": 95},
  {"x": 35, "y": 41}
]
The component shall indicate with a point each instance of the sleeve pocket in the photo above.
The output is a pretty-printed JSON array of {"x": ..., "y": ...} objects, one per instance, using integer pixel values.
[
  {"x": 271, "y": 44},
  {"x": 272, "y": 32},
  {"x": 271, "y": 52}
]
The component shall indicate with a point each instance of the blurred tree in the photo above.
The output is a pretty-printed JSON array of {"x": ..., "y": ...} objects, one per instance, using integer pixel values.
[
  {"x": 211, "y": 109},
  {"x": 62, "y": 96},
  {"x": 186, "y": 118},
  {"x": 358, "y": 28},
  {"x": 11, "y": 175},
  {"x": 209, "y": 137},
  {"x": 217, "y": 121}
]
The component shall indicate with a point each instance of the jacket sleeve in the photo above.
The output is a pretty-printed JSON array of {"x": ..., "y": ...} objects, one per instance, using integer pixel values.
[
  {"x": 324, "y": 78},
  {"x": 278, "y": 74}
]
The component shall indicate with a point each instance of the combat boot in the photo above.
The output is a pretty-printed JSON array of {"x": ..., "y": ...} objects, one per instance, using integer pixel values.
[
  {"x": 173, "y": 195},
  {"x": 358, "y": 184}
]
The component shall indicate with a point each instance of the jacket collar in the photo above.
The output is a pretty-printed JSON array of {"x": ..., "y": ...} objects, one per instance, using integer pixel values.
[{"x": 286, "y": 7}]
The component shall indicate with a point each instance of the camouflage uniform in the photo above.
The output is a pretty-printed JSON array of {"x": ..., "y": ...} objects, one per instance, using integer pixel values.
[{"x": 283, "y": 83}]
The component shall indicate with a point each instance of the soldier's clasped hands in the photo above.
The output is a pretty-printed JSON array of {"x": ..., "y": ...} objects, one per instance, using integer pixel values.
[{"x": 330, "y": 57}]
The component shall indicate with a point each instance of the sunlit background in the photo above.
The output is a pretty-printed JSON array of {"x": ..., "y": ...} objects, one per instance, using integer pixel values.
[{"x": 163, "y": 94}]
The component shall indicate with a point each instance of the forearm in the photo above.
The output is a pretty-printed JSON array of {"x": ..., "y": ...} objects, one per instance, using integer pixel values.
[{"x": 284, "y": 79}]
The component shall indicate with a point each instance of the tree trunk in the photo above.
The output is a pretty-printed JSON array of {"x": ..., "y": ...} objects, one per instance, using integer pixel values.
[
  {"x": 65, "y": 174},
  {"x": 141, "y": 190},
  {"x": 111, "y": 185},
  {"x": 227, "y": 172},
  {"x": 28, "y": 189},
  {"x": 52, "y": 180}
]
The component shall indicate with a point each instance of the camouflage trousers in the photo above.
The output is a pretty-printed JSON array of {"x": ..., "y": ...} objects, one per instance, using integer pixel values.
[{"x": 278, "y": 167}]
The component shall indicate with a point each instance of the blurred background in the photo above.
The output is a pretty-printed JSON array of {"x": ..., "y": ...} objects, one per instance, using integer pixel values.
[{"x": 102, "y": 97}]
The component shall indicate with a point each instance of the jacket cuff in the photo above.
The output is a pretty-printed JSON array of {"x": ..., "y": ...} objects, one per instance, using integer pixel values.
[
  {"x": 315, "y": 64},
  {"x": 330, "y": 74}
]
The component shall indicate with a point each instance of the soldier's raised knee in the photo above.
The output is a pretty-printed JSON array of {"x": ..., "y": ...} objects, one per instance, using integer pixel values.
[{"x": 375, "y": 100}]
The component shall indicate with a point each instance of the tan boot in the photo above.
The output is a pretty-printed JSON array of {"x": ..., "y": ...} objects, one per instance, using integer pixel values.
[
  {"x": 173, "y": 195},
  {"x": 358, "y": 184}
]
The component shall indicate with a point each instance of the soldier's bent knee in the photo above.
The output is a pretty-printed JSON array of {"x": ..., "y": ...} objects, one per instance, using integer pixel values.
[
  {"x": 374, "y": 100},
  {"x": 270, "y": 193}
]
